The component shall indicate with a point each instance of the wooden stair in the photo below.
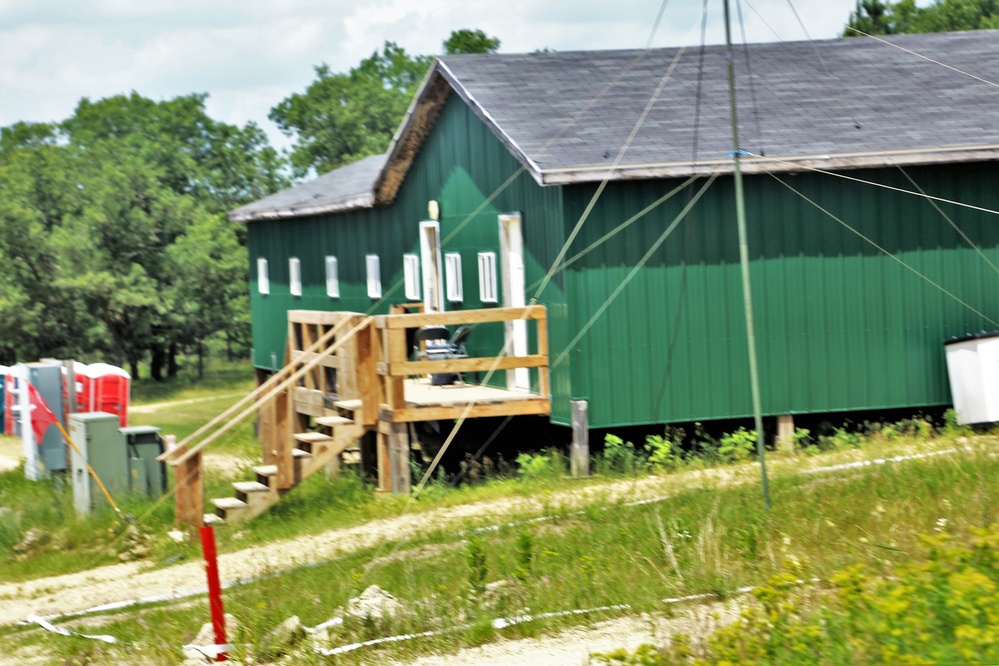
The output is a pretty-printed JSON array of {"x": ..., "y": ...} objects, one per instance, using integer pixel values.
[{"x": 314, "y": 450}]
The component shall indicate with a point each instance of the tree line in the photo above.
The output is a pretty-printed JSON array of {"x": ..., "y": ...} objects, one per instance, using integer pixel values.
[{"x": 114, "y": 242}]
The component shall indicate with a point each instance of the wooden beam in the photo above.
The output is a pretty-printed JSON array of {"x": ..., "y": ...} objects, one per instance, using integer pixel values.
[
  {"x": 266, "y": 389},
  {"x": 189, "y": 494},
  {"x": 544, "y": 385},
  {"x": 305, "y": 357},
  {"x": 441, "y": 412},
  {"x": 399, "y": 458},
  {"x": 281, "y": 388},
  {"x": 465, "y": 317},
  {"x": 476, "y": 364},
  {"x": 319, "y": 316}
]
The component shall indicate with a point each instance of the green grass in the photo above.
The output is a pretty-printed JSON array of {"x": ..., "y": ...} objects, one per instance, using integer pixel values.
[{"x": 708, "y": 539}]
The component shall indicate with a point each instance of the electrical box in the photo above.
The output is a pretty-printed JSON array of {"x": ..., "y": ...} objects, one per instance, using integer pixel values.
[
  {"x": 147, "y": 475},
  {"x": 47, "y": 380},
  {"x": 103, "y": 445}
]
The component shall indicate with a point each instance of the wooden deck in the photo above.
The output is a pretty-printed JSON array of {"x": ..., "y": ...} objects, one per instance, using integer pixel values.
[
  {"x": 347, "y": 374},
  {"x": 425, "y": 402}
]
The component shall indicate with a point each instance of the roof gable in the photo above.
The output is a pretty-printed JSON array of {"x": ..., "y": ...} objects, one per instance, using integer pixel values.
[{"x": 840, "y": 103}]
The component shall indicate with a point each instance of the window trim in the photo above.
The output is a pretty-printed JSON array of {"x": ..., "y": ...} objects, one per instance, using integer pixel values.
[
  {"x": 373, "y": 267},
  {"x": 488, "y": 293},
  {"x": 263, "y": 279},
  {"x": 452, "y": 277},
  {"x": 411, "y": 276},
  {"x": 294, "y": 276},
  {"x": 332, "y": 277}
]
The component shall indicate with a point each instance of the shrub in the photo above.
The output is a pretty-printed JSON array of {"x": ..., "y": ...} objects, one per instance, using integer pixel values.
[
  {"x": 737, "y": 446},
  {"x": 619, "y": 456},
  {"x": 663, "y": 452}
]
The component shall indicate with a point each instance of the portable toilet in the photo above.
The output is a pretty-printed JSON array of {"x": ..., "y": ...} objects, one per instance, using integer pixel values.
[
  {"x": 10, "y": 406},
  {"x": 82, "y": 387},
  {"x": 109, "y": 390},
  {"x": 3, "y": 400}
]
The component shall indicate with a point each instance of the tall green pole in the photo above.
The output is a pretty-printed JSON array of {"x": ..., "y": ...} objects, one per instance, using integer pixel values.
[{"x": 747, "y": 292}]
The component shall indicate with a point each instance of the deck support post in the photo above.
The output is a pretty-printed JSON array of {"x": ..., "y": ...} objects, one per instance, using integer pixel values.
[
  {"x": 189, "y": 495},
  {"x": 579, "y": 458},
  {"x": 785, "y": 433},
  {"x": 393, "y": 458}
]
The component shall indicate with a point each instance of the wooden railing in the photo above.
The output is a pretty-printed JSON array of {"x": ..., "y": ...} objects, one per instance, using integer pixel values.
[{"x": 393, "y": 364}]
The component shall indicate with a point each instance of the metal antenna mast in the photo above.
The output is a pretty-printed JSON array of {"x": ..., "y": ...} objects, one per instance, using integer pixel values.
[{"x": 747, "y": 292}]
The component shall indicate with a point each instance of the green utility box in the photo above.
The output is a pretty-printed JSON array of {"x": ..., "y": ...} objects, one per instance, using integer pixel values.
[
  {"x": 101, "y": 444},
  {"x": 147, "y": 475}
]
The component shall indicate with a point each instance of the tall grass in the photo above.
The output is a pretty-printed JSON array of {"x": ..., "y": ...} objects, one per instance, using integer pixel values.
[{"x": 715, "y": 538}]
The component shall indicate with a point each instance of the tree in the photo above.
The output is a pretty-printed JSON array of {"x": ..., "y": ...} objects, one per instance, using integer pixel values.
[
  {"x": 343, "y": 117},
  {"x": 470, "y": 41},
  {"x": 883, "y": 17},
  {"x": 112, "y": 231}
]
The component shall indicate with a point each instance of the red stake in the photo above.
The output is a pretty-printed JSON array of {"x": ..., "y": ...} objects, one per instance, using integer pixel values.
[{"x": 214, "y": 588}]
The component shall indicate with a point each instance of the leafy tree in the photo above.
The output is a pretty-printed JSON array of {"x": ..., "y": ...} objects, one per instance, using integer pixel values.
[
  {"x": 343, "y": 117},
  {"x": 883, "y": 17},
  {"x": 112, "y": 231},
  {"x": 470, "y": 41}
]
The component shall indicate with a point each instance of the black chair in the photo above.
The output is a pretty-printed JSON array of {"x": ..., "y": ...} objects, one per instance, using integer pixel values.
[{"x": 440, "y": 345}]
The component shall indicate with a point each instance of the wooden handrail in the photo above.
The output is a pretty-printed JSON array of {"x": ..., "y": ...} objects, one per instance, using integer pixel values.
[
  {"x": 460, "y": 317},
  {"x": 273, "y": 379},
  {"x": 273, "y": 392}
]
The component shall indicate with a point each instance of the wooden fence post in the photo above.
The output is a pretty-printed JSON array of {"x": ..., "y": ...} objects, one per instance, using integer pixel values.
[{"x": 189, "y": 495}]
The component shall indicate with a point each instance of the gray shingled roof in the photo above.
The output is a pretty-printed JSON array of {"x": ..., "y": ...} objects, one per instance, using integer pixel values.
[
  {"x": 809, "y": 99},
  {"x": 830, "y": 104},
  {"x": 341, "y": 189}
]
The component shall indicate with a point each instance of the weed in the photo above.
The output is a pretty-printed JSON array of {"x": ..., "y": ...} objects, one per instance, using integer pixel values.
[
  {"x": 525, "y": 556},
  {"x": 619, "y": 456},
  {"x": 478, "y": 566},
  {"x": 737, "y": 446},
  {"x": 664, "y": 451}
]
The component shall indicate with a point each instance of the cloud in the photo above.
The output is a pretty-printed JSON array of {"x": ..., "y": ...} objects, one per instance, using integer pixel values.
[{"x": 249, "y": 55}]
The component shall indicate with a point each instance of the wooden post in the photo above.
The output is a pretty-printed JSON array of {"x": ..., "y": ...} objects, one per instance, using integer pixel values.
[
  {"x": 785, "y": 433},
  {"x": 579, "y": 458},
  {"x": 265, "y": 422},
  {"x": 399, "y": 454},
  {"x": 189, "y": 495},
  {"x": 384, "y": 457}
]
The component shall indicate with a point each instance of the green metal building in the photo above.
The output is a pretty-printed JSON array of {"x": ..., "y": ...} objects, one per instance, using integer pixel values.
[{"x": 857, "y": 277}]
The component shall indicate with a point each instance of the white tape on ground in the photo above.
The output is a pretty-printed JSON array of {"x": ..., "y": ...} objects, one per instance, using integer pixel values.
[{"x": 63, "y": 631}]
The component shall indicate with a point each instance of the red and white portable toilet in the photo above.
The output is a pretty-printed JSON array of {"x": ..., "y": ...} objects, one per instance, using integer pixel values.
[
  {"x": 10, "y": 406},
  {"x": 109, "y": 389},
  {"x": 82, "y": 387}
]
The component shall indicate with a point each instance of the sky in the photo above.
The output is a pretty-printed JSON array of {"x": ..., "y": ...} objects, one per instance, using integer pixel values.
[{"x": 248, "y": 55}]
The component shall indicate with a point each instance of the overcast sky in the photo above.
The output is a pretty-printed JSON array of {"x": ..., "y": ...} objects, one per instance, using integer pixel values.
[{"x": 248, "y": 55}]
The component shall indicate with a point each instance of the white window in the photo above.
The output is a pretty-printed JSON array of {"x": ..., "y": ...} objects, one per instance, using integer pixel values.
[
  {"x": 374, "y": 276},
  {"x": 263, "y": 282},
  {"x": 295, "y": 276},
  {"x": 452, "y": 275},
  {"x": 411, "y": 275},
  {"x": 487, "y": 277},
  {"x": 332, "y": 278}
]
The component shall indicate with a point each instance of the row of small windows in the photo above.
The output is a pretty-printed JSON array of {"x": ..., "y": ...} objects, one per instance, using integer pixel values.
[{"x": 411, "y": 277}]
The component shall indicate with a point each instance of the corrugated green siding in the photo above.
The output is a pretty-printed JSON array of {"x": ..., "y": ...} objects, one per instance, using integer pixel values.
[
  {"x": 840, "y": 325},
  {"x": 460, "y": 165}
]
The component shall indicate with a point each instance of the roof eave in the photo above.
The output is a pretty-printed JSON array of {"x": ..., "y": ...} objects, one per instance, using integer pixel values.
[
  {"x": 354, "y": 203},
  {"x": 784, "y": 164}
]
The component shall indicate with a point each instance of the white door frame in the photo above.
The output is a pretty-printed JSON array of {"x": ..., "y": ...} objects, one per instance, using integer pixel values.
[
  {"x": 511, "y": 235},
  {"x": 430, "y": 259}
]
